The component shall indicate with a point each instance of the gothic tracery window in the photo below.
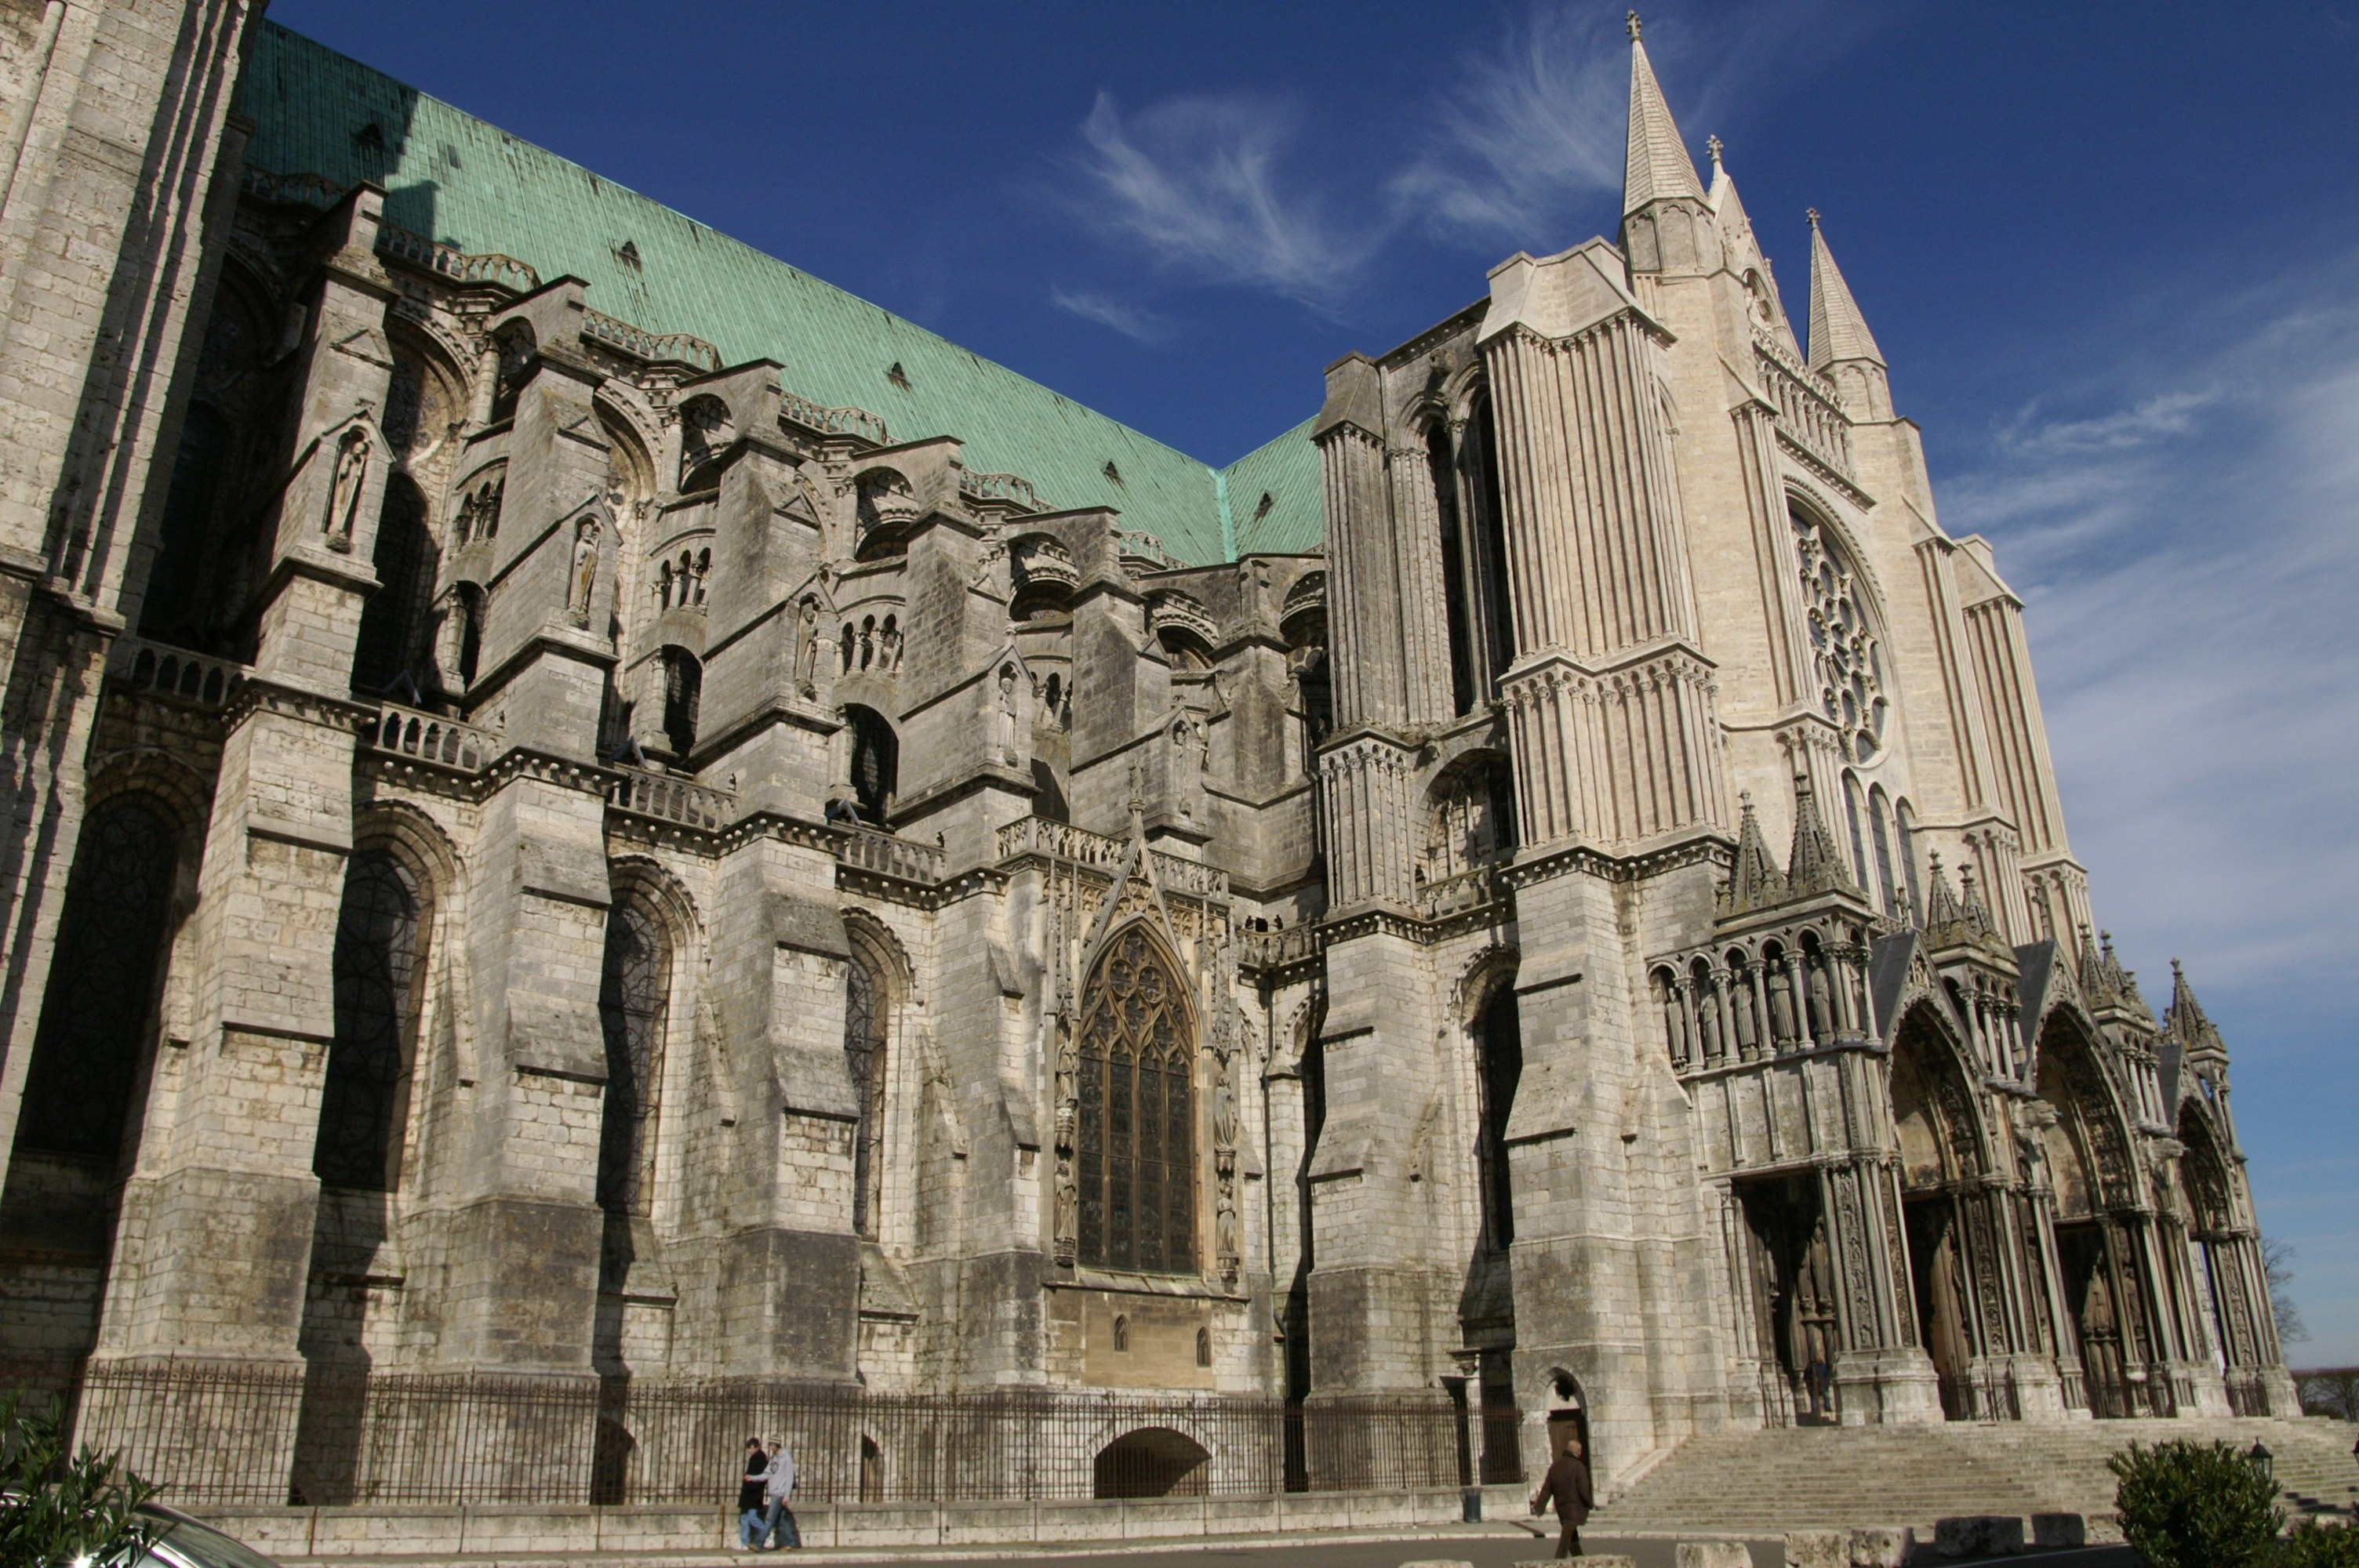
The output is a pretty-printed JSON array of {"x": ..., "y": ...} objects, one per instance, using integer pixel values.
[
  {"x": 1850, "y": 662},
  {"x": 864, "y": 1052},
  {"x": 1137, "y": 1166},
  {"x": 631, "y": 1006},
  {"x": 86, "y": 1054},
  {"x": 364, "y": 1104}
]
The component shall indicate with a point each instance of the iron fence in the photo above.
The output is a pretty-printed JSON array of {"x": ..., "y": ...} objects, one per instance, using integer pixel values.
[{"x": 344, "y": 1436}]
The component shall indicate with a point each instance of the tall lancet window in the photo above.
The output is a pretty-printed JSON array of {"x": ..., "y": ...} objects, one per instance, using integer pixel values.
[
  {"x": 379, "y": 967},
  {"x": 631, "y": 1005},
  {"x": 1137, "y": 1172},
  {"x": 866, "y": 1009},
  {"x": 1457, "y": 576}
]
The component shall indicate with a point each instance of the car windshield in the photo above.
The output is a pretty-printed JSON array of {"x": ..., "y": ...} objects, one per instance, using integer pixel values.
[{"x": 185, "y": 1543}]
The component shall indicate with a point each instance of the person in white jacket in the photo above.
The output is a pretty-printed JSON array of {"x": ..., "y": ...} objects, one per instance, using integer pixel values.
[{"x": 778, "y": 1487}]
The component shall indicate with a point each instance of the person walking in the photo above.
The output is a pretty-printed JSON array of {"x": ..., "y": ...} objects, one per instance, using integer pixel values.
[
  {"x": 751, "y": 1519},
  {"x": 1568, "y": 1483},
  {"x": 1820, "y": 1376},
  {"x": 778, "y": 1487}
]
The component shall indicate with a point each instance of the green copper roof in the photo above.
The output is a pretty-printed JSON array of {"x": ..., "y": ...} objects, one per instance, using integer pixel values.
[{"x": 456, "y": 179}]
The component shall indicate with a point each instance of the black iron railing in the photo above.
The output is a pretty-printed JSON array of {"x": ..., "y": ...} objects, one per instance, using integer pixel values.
[{"x": 344, "y": 1436}]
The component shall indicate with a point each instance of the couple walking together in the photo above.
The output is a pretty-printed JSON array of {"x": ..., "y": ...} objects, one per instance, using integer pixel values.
[{"x": 765, "y": 1522}]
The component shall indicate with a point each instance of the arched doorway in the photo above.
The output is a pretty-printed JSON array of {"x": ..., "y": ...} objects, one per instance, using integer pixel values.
[
  {"x": 2232, "y": 1274},
  {"x": 1152, "y": 1462},
  {"x": 2085, "y": 1148},
  {"x": 1940, "y": 1164}
]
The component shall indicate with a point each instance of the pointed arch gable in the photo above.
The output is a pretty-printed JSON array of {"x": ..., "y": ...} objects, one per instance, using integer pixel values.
[
  {"x": 1931, "y": 1073},
  {"x": 2090, "y": 1113},
  {"x": 1479, "y": 978}
]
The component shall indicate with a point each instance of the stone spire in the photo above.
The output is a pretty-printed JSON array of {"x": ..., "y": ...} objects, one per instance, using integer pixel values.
[
  {"x": 2185, "y": 1021},
  {"x": 1658, "y": 165},
  {"x": 1838, "y": 331},
  {"x": 1755, "y": 882},
  {"x": 1940, "y": 903},
  {"x": 1816, "y": 864}
]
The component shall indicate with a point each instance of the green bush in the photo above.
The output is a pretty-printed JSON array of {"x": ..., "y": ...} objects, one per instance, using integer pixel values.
[
  {"x": 2196, "y": 1504},
  {"x": 2312, "y": 1546},
  {"x": 54, "y": 1508}
]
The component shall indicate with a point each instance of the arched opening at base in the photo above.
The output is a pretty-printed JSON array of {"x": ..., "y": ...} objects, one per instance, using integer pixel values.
[{"x": 1152, "y": 1462}]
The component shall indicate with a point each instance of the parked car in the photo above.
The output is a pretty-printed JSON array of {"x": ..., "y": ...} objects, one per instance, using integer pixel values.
[{"x": 184, "y": 1543}]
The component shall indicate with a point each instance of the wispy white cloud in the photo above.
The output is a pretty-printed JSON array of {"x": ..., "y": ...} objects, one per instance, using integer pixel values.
[
  {"x": 1523, "y": 135},
  {"x": 2163, "y": 415},
  {"x": 1133, "y": 322},
  {"x": 1531, "y": 125},
  {"x": 1196, "y": 182},
  {"x": 2191, "y": 562}
]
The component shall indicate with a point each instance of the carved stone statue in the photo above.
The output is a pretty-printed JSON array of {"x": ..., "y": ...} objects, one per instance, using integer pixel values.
[
  {"x": 1069, "y": 1211},
  {"x": 807, "y": 649},
  {"x": 1224, "y": 1231},
  {"x": 1225, "y": 1103},
  {"x": 1003, "y": 722},
  {"x": 344, "y": 495},
  {"x": 584, "y": 580}
]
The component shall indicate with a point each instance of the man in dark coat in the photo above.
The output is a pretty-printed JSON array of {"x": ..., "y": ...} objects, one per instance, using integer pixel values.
[
  {"x": 751, "y": 1517},
  {"x": 1568, "y": 1483}
]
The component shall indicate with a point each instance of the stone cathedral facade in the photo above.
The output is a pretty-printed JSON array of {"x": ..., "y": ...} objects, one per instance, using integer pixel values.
[{"x": 588, "y": 809}]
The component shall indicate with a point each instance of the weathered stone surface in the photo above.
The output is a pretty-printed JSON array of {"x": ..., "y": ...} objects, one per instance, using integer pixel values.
[{"x": 549, "y": 871}]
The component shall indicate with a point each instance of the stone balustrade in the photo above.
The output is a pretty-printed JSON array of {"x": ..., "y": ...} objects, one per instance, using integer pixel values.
[
  {"x": 167, "y": 671},
  {"x": 429, "y": 738},
  {"x": 657, "y": 348},
  {"x": 659, "y": 797},
  {"x": 889, "y": 855}
]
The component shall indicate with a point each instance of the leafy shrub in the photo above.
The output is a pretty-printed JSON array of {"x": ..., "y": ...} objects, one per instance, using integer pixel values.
[
  {"x": 2314, "y": 1546},
  {"x": 54, "y": 1508},
  {"x": 2186, "y": 1504}
]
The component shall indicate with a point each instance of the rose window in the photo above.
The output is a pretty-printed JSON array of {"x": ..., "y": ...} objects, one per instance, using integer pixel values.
[{"x": 1850, "y": 665}]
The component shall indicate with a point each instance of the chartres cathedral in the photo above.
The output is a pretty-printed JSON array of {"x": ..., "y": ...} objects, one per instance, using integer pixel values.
[{"x": 590, "y": 815}]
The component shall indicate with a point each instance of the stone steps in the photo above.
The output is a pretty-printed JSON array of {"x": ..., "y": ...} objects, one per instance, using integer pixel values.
[{"x": 1823, "y": 1477}]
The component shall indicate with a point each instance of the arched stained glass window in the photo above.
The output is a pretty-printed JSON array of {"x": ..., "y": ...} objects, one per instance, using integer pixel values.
[
  {"x": 102, "y": 983},
  {"x": 631, "y": 1004},
  {"x": 1137, "y": 1172},
  {"x": 364, "y": 1105},
  {"x": 1853, "y": 811},
  {"x": 865, "y": 1007},
  {"x": 1888, "y": 891}
]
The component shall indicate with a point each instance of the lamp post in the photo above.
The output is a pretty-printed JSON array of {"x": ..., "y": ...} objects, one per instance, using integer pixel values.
[{"x": 2263, "y": 1460}]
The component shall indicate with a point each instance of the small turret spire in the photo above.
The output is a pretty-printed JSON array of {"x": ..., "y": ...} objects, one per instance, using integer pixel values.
[
  {"x": 1657, "y": 165},
  {"x": 1815, "y": 865},
  {"x": 1755, "y": 882},
  {"x": 1838, "y": 331}
]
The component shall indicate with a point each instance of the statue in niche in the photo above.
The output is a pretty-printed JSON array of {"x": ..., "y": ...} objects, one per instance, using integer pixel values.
[
  {"x": 1068, "y": 1079},
  {"x": 1069, "y": 1211},
  {"x": 807, "y": 649},
  {"x": 344, "y": 494},
  {"x": 1224, "y": 1231},
  {"x": 1003, "y": 720},
  {"x": 585, "y": 570},
  {"x": 1224, "y": 1102}
]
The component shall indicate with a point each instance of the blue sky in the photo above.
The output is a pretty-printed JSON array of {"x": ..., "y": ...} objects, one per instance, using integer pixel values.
[{"x": 2111, "y": 250}]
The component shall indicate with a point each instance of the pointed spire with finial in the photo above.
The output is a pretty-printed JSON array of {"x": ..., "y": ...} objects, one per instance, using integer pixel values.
[
  {"x": 1656, "y": 164},
  {"x": 1815, "y": 865},
  {"x": 1838, "y": 331},
  {"x": 2091, "y": 970},
  {"x": 1971, "y": 913},
  {"x": 1755, "y": 882},
  {"x": 1940, "y": 905},
  {"x": 2185, "y": 1020}
]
